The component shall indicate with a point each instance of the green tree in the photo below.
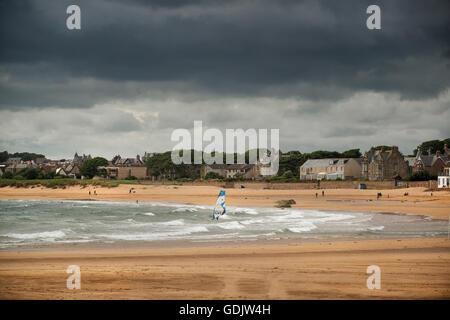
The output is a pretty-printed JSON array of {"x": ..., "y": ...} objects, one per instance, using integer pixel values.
[
  {"x": 89, "y": 169},
  {"x": 213, "y": 175},
  {"x": 434, "y": 145},
  {"x": 4, "y": 156},
  {"x": 291, "y": 162},
  {"x": 8, "y": 175},
  {"x": 322, "y": 154},
  {"x": 352, "y": 153},
  {"x": 26, "y": 156},
  {"x": 421, "y": 176},
  {"x": 29, "y": 173},
  {"x": 288, "y": 174}
]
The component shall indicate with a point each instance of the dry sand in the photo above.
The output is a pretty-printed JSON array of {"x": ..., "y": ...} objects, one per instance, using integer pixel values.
[{"x": 411, "y": 268}]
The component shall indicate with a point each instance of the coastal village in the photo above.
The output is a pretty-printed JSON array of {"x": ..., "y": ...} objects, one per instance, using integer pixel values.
[{"x": 377, "y": 164}]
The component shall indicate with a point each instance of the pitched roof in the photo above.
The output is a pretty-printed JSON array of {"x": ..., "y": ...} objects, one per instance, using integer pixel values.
[
  {"x": 321, "y": 163},
  {"x": 125, "y": 161},
  {"x": 429, "y": 160}
]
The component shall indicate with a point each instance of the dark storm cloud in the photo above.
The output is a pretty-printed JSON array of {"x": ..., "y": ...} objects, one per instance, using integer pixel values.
[
  {"x": 139, "y": 69},
  {"x": 313, "y": 49}
]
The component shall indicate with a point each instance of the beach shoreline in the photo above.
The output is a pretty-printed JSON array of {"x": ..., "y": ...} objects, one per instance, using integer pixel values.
[
  {"x": 412, "y": 268},
  {"x": 418, "y": 202}
]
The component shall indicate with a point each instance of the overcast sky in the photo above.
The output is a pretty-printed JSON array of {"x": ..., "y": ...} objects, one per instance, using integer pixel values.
[{"x": 137, "y": 70}]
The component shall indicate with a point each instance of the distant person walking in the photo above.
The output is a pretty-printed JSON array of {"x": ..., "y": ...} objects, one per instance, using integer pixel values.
[
  {"x": 323, "y": 193},
  {"x": 316, "y": 195}
]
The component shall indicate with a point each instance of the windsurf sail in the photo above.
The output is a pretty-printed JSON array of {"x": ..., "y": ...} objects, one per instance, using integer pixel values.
[{"x": 219, "y": 209}]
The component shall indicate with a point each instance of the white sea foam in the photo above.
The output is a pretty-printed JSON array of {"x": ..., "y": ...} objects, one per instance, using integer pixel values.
[
  {"x": 184, "y": 209},
  {"x": 178, "y": 222},
  {"x": 36, "y": 235},
  {"x": 301, "y": 229},
  {"x": 252, "y": 221},
  {"x": 230, "y": 225},
  {"x": 375, "y": 228},
  {"x": 155, "y": 235},
  {"x": 335, "y": 217},
  {"x": 242, "y": 210}
]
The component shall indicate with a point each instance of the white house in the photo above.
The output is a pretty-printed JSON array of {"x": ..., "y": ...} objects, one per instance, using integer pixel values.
[
  {"x": 331, "y": 169},
  {"x": 444, "y": 181}
]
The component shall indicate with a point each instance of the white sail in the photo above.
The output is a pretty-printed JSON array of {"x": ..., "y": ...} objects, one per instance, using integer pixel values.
[{"x": 220, "y": 208}]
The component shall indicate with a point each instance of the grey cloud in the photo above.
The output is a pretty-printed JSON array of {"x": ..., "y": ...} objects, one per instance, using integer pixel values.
[
  {"x": 312, "y": 49},
  {"x": 139, "y": 69}
]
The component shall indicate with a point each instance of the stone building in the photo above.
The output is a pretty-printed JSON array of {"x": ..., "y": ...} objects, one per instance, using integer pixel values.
[
  {"x": 331, "y": 169},
  {"x": 129, "y": 162},
  {"x": 381, "y": 164},
  {"x": 80, "y": 159},
  {"x": 119, "y": 173},
  {"x": 434, "y": 164},
  {"x": 246, "y": 171}
]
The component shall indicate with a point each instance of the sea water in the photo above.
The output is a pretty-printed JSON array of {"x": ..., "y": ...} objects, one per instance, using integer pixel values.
[{"x": 49, "y": 222}]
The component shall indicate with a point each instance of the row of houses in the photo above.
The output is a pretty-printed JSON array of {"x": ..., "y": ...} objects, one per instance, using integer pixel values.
[
  {"x": 118, "y": 168},
  {"x": 376, "y": 164}
]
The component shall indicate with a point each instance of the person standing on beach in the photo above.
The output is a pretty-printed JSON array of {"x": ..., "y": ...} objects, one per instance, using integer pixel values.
[
  {"x": 316, "y": 195},
  {"x": 323, "y": 193}
]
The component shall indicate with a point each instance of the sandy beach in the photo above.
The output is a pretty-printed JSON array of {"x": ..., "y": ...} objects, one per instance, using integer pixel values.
[
  {"x": 419, "y": 200},
  {"x": 410, "y": 268}
]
